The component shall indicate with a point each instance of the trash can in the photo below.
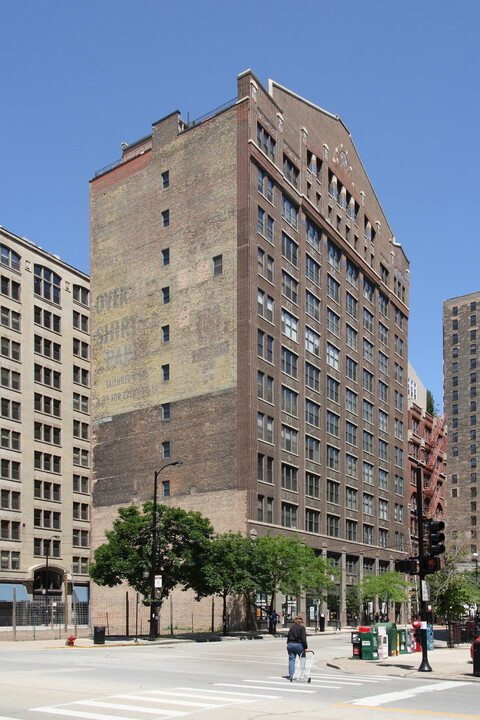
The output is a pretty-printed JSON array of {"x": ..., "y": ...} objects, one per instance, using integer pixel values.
[
  {"x": 356, "y": 645},
  {"x": 476, "y": 657},
  {"x": 391, "y": 630},
  {"x": 99, "y": 635},
  {"x": 322, "y": 623}
]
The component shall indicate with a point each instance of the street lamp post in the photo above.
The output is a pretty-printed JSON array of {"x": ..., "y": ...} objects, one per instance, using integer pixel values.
[{"x": 153, "y": 568}]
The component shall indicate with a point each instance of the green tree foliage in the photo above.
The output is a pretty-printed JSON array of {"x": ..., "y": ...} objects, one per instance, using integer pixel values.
[
  {"x": 225, "y": 569},
  {"x": 388, "y": 584},
  {"x": 353, "y": 601},
  {"x": 454, "y": 588},
  {"x": 287, "y": 565},
  {"x": 182, "y": 538},
  {"x": 430, "y": 403}
]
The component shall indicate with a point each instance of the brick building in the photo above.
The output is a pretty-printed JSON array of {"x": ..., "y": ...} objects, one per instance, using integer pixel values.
[
  {"x": 427, "y": 449},
  {"x": 45, "y": 480},
  {"x": 250, "y": 312},
  {"x": 460, "y": 329}
]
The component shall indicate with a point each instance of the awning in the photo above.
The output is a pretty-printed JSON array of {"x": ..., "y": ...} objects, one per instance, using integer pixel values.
[
  {"x": 6, "y": 592},
  {"x": 81, "y": 593}
]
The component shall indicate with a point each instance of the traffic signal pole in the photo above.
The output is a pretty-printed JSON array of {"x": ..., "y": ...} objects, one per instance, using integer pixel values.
[{"x": 425, "y": 666}]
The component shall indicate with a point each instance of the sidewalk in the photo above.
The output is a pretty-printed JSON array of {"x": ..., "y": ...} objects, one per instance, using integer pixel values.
[{"x": 446, "y": 663}]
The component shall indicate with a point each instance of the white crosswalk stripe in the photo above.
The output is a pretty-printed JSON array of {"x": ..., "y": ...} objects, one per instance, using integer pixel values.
[{"x": 176, "y": 703}]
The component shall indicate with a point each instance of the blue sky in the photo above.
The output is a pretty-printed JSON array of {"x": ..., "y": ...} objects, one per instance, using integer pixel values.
[{"x": 78, "y": 77}]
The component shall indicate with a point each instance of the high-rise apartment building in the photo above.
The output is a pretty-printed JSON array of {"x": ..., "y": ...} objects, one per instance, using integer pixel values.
[
  {"x": 45, "y": 479},
  {"x": 460, "y": 328},
  {"x": 250, "y": 312}
]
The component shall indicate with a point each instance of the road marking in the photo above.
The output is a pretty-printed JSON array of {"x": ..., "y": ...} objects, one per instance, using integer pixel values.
[
  {"x": 430, "y": 713},
  {"x": 168, "y": 701},
  {"x": 374, "y": 700},
  {"x": 78, "y": 713},
  {"x": 255, "y": 687},
  {"x": 121, "y": 706}
]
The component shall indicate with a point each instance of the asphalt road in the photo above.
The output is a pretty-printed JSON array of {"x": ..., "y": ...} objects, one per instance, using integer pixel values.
[{"x": 230, "y": 680}]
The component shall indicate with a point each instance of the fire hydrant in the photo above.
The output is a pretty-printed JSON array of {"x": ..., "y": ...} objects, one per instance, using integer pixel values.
[{"x": 71, "y": 641}]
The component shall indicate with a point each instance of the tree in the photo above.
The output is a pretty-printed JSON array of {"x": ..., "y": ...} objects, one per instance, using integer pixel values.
[
  {"x": 388, "y": 586},
  {"x": 287, "y": 565},
  {"x": 225, "y": 569},
  {"x": 353, "y": 601},
  {"x": 453, "y": 588},
  {"x": 430, "y": 403},
  {"x": 181, "y": 541}
]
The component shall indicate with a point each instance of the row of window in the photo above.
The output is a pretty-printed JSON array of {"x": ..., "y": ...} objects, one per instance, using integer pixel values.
[
  {"x": 289, "y": 519},
  {"x": 266, "y": 473},
  {"x": 47, "y": 490}
]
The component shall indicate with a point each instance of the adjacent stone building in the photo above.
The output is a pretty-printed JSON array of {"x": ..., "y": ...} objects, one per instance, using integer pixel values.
[
  {"x": 45, "y": 479},
  {"x": 250, "y": 318}
]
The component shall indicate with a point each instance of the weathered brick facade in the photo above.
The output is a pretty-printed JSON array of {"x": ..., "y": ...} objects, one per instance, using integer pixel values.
[
  {"x": 460, "y": 332},
  {"x": 302, "y": 264}
]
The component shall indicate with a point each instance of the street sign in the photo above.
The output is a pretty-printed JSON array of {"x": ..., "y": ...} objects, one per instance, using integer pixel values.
[
  {"x": 158, "y": 581},
  {"x": 425, "y": 590}
]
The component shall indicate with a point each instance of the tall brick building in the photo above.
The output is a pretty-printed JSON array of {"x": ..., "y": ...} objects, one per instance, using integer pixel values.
[
  {"x": 427, "y": 449},
  {"x": 250, "y": 312},
  {"x": 460, "y": 330}
]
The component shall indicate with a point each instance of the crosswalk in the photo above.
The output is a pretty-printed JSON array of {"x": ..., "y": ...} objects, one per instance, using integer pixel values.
[{"x": 180, "y": 702}]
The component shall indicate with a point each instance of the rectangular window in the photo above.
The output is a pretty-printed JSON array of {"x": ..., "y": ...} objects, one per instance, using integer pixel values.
[
  {"x": 289, "y": 439},
  {"x": 289, "y": 401},
  {"x": 333, "y": 289},
  {"x": 312, "y": 270},
  {"x": 351, "y": 368},
  {"x": 265, "y": 185},
  {"x": 289, "y": 363},
  {"x": 312, "y": 306},
  {"x": 367, "y": 320},
  {"x": 217, "y": 265},
  {"x": 351, "y": 433},
  {"x": 289, "y": 478},
  {"x": 367, "y": 441},
  {"x": 312, "y": 521},
  {"x": 312, "y": 449},
  {"x": 333, "y": 389},
  {"x": 165, "y": 218},
  {"x": 351, "y": 498},
  {"x": 333, "y": 255},
  {"x": 265, "y": 142},
  {"x": 333, "y": 526},
  {"x": 289, "y": 287},
  {"x": 351, "y": 399},
  {"x": 312, "y": 377},
  {"x": 312, "y": 485},
  {"x": 333, "y": 458},
  {"x": 289, "y": 515},
  {"x": 289, "y": 250},
  {"x": 166, "y": 256},
  {"x": 333, "y": 356},
  {"x": 333, "y": 492},
  {"x": 312, "y": 341},
  {"x": 352, "y": 306},
  {"x": 290, "y": 211},
  {"x": 289, "y": 325},
  {"x": 333, "y": 423}
]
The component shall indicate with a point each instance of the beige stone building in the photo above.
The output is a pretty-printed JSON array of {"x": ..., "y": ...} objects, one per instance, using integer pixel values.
[
  {"x": 45, "y": 479},
  {"x": 250, "y": 319}
]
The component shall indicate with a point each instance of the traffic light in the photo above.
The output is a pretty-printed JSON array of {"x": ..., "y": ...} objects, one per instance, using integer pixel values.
[
  {"x": 408, "y": 566},
  {"x": 430, "y": 564},
  {"x": 436, "y": 537}
]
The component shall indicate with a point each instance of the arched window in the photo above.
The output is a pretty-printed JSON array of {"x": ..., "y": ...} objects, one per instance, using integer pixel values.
[
  {"x": 9, "y": 258},
  {"x": 46, "y": 284}
]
